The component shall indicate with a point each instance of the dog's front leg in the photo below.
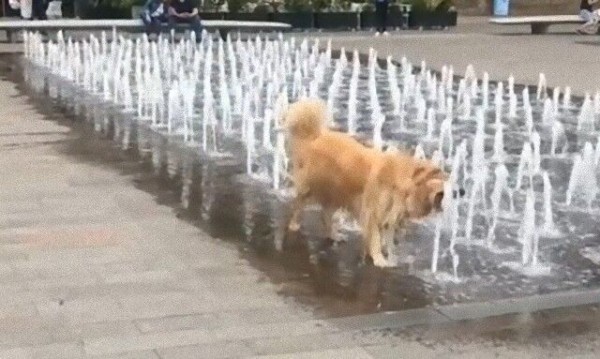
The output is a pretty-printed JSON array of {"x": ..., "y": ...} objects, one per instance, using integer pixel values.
[
  {"x": 329, "y": 222},
  {"x": 372, "y": 238},
  {"x": 388, "y": 234},
  {"x": 297, "y": 207}
]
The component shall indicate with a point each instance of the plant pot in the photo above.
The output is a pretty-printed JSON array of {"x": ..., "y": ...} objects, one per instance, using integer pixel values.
[
  {"x": 249, "y": 16},
  {"x": 336, "y": 20},
  {"x": 108, "y": 12},
  {"x": 368, "y": 20},
  {"x": 395, "y": 19},
  {"x": 431, "y": 19},
  {"x": 298, "y": 20},
  {"x": 211, "y": 16}
]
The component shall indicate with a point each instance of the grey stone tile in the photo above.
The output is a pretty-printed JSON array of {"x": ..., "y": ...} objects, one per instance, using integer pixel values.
[
  {"x": 63, "y": 331},
  {"x": 354, "y": 353},
  {"x": 213, "y": 351},
  {"x": 110, "y": 345},
  {"x": 83, "y": 311},
  {"x": 262, "y": 316},
  {"x": 150, "y": 276},
  {"x": 301, "y": 343},
  {"x": 123, "y": 344},
  {"x": 401, "y": 319},
  {"x": 517, "y": 305},
  {"x": 405, "y": 349},
  {"x": 11, "y": 310},
  {"x": 146, "y": 354},
  {"x": 50, "y": 351},
  {"x": 179, "y": 322}
]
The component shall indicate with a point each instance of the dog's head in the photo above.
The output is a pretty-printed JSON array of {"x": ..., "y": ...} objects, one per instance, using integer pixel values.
[{"x": 427, "y": 190}]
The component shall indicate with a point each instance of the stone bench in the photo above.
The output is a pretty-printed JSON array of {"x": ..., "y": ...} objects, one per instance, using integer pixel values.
[
  {"x": 223, "y": 26},
  {"x": 539, "y": 24}
]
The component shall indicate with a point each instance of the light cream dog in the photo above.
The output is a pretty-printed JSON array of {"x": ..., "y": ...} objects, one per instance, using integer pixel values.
[{"x": 381, "y": 190}]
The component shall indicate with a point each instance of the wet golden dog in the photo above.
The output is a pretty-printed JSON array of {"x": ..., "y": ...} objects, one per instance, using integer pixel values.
[{"x": 380, "y": 189}]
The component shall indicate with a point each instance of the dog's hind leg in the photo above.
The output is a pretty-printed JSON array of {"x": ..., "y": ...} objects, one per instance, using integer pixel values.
[
  {"x": 297, "y": 207},
  {"x": 372, "y": 238},
  {"x": 329, "y": 222}
]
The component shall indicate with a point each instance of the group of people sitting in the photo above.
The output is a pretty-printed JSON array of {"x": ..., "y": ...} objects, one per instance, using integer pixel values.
[
  {"x": 30, "y": 9},
  {"x": 155, "y": 12},
  {"x": 590, "y": 16}
]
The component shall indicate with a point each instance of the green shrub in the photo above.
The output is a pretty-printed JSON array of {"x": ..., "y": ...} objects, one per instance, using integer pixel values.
[
  {"x": 432, "y": 5},
  {"x": 235, "y": 6},
  {"x": 368, "y": 7},
  {"x": 263, "y": 8},
  {"x": 298, "y": 5}
]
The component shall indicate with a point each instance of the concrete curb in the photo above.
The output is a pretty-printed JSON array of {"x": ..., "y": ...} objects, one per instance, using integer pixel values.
[{"x": 466, "y": 311}]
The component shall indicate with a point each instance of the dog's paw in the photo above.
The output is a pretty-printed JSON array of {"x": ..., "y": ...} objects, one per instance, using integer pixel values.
[
  {"x": 294, "y": 226},
  {"x": 380, "y": 261}
]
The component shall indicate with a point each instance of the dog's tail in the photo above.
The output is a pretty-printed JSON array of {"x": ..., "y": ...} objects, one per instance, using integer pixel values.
[{"x": 306, "y": 119}]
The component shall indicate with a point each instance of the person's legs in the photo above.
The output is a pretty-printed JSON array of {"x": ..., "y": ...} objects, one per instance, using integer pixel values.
[
  {"x": 384, "y": 13},
  {"x": 147, "y": 20},
  {"x": 157, "y": 24},
  {"x": 36, "y": 9},
  {"x": 379, "y": 17},
  {"x": 172, "y": 21},
  {"x": 196, "y": 26},
  {"x": 39, "y": 9},
  {"x": 589, "y": 19}
]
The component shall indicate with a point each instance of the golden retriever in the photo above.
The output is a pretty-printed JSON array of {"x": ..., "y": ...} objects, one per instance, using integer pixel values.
[{"x": 380, "y": 189}]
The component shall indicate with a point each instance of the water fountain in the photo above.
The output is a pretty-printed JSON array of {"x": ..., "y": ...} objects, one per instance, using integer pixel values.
[
  {"x": 586, "y": 118},
  {"x": 501, "y": 188},
  {"x": 222, "y": 103},
  {"x": 583, "y": 176},
  {"x": 549, "y": 112},
  {"x": 559, "y": 138},
  {"x": 541, "y": 88}
]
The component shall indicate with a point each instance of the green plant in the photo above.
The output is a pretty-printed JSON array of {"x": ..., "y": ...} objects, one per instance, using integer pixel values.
[
  {"x": 445, "y": 6},
  {"x": 298, "y": 5},
  {"x": 368, "y": 7},
  {"x": 263, "y": 8},
  {"x": 119, "y": 4},
  {"x": 427, "y": 5},
  {"x": 235, "y": 6},
  {"x": 338, "y": 5}
]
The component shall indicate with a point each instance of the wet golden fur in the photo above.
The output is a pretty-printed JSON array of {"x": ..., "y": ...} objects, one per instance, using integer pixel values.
[{"x": 380, "y": 189}]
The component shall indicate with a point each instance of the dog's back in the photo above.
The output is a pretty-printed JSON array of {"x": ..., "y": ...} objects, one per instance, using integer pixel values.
[{"x": 333, "y": 166}]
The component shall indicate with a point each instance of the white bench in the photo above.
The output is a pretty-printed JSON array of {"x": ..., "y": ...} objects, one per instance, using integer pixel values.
[
  {"x": 223, "y": 26},
  {"x": 539, "y": 24}
]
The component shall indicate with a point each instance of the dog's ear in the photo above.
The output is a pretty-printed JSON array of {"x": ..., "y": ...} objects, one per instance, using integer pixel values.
[
  {"x": 438, "y": 197},
  {"x": 425, "y": 173}
]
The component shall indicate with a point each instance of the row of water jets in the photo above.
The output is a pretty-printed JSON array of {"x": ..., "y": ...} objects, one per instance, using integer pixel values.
[{"x": 223, "y": 90}]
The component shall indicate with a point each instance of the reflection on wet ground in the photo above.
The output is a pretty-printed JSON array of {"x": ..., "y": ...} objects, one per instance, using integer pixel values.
[{"x": 214, "y": 194}]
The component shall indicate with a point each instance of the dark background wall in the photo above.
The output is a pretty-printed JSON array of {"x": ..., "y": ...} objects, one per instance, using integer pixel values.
[{"x": 520, "y": 7}]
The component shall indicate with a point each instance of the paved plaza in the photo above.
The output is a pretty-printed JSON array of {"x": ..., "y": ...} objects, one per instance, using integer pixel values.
[{"x": 93, "y": 266}]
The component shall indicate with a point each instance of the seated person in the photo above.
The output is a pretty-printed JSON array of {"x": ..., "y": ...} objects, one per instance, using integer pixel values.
[
  {"x": 153, "y": 13},
  {"x": 587, "y": 13},
  {"x": 185, "y": 11}
]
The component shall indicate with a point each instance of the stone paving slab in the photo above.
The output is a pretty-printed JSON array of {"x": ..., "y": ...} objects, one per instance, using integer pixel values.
[
  {"x": 356, "y": 353},
  {"x": 404, "y": 318},
  {"x": 518, "y": 305},
  {"x": 566, "y": 58}
]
